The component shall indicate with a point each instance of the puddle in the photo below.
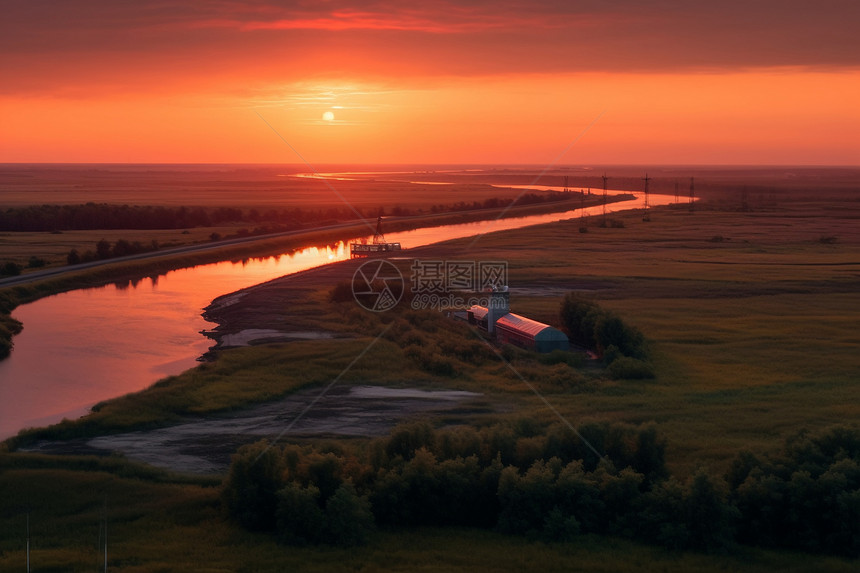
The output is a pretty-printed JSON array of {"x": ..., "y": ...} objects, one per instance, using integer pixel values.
[{"x": 204, "y": 445}]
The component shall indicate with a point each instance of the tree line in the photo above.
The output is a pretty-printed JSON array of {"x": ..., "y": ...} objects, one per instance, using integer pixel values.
[
  {"x": 104, "y": 216},
  {"x": 105, "y": 250},
  {"x": 500, "y": 203},
  {"x": 545, "y": 483}
]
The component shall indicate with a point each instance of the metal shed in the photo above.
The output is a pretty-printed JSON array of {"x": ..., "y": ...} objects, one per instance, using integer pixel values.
[
  {"x": 531, "y": 334},
  {"x": 478, "y": 316}
]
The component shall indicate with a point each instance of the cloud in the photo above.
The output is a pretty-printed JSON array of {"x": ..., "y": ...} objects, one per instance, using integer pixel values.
[{"x": 123, "y": 44}]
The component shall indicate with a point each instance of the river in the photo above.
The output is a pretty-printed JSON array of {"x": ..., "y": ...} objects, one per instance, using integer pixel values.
[{"x": 85, "y": 346}]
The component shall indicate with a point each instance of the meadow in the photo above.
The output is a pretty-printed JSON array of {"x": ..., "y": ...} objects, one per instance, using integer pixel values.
[{"x": 749, "y": 311}]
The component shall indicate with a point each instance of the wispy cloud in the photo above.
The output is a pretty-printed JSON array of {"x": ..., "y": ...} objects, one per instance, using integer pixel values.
[
  {"x": 53, "y": 44},
  {"x": 433, "y": 18}
]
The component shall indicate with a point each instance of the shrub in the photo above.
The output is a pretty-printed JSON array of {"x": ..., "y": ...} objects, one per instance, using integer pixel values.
[
  {"x": 342, "y": 292},
  {"x": 73, "y": 258},
  {"x": 630, "y": 369},
  {"x": 11, "y": 269},
  {"x": 572, "y": 359}
]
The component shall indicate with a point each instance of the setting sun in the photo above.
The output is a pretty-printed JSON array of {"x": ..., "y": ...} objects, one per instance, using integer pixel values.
[
  {"x": 479, "y": 83},
  {"x": 470, "y": 285}
]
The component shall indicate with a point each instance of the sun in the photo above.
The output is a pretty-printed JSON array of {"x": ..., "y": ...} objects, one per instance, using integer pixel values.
[{"x": 328, "y": 116}]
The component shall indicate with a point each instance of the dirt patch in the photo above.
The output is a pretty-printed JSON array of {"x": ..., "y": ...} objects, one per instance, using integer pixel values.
[
  {"x": 204, "y": 445},
  {"x": 251, "y": 336}
]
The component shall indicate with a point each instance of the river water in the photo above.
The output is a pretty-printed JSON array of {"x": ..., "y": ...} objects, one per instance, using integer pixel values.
[{"x": 81, "y": 347}]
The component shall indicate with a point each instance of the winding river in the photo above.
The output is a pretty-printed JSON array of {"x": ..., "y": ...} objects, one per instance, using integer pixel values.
[{"x": 81, "y": 347}]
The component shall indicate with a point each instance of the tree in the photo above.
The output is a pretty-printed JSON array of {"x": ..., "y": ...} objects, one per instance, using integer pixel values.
[
  {"x": 103, "y": 250},
  {"x": 73, "y": 258},
  {"x": 300, "y": 520},
  {"x": 710, "y": 519},
  {"x": 578, "y": 316},
  {"x": 250, "y": 491},
  {"x": 36, "y": 262},
  {"x": 348, "y": 519}
]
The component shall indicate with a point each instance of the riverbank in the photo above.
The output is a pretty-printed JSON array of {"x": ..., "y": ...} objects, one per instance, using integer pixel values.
[
  {"x": 28, "y": 288},
  {"x": 732, "y": 303},
  {"x": 759, "y": 277}
]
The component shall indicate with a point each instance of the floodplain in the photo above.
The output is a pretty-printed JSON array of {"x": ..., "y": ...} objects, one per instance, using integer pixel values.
[{"x": 749, "y": 304}]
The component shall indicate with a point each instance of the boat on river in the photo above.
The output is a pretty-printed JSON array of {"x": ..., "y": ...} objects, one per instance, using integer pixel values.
[{"x": 378, "y": 247}]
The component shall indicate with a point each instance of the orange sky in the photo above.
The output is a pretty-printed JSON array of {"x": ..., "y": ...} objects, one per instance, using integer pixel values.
[{"x": 564, "y": 82}]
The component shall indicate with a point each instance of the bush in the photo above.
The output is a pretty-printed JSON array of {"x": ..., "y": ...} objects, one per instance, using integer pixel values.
[
  {"x": 73, "y": 258},
  {"x": 630, "y": 369},
  {"x": 342, "y": 292},
  {"x": 572, "y": 359},
  {"x": 11, "y": 269}
]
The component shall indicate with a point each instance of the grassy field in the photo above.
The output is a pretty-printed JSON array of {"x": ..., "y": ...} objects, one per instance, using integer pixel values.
[
  {"x": 157, "y": 522},
  {"x": 54, "y": 248},
  {"x": 750, "y": 316},
  {"x": 753, "y": 335}
]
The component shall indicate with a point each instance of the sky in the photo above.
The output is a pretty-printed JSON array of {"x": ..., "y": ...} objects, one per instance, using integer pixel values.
[{"x": 550, "y": 82}]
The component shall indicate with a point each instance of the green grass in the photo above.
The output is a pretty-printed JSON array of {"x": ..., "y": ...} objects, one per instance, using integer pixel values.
[
  {"x": 752, "y": 339},
  {"x": 176, "y": 525}
]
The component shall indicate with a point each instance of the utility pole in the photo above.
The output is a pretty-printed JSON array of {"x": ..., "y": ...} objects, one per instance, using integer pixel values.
[
  {"x": 647, "y": 215},
  {"x": 106, "y": 538},
  {"x": 604, "y": 199},
  {"x": 583, "y": 227},
  {"x": 692, "y": 194},
  {"x": 28, "y": 542}
]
